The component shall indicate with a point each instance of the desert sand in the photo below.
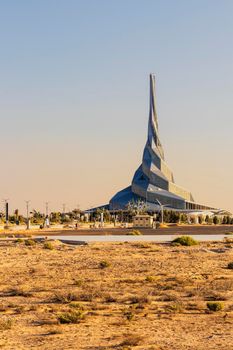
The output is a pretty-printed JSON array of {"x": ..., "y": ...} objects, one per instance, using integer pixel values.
[{"x": 122, "y": 295}]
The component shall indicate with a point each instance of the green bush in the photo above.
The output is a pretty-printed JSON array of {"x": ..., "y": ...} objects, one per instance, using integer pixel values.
[
  {"x": 48, "y": 245},
  {"x": 185, "y": 241},
  {"x": 70, "y": 317},
  {"x": 215, "y": 306},
  {"x": 230, "y": 265},
  {"x": 29, "y": 242},
  {"x": 104, "y": 264}
]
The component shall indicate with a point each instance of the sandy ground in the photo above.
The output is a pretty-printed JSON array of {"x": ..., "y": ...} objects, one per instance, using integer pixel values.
[{"x": 149, "y": 296}]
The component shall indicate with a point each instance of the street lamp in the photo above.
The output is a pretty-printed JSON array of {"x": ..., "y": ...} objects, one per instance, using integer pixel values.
[
  {"x": 161, "y": 209},
  {"x": 7, "y": 210},
  {"x": 27, "y": 206},
  {"x": 47, "y": 209}
]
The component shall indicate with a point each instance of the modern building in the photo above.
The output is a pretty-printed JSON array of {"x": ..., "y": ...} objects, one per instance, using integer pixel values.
[{"x": 153, "y": 182}]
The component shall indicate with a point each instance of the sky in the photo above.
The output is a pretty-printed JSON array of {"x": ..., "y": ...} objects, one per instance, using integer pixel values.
[{"x": 74, "y": 97}]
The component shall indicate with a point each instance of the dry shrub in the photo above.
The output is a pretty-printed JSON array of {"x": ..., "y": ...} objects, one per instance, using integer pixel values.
[
  {"x": 129, "y": 315},
  {"x": 71, "y": 317},
  {"x": 65, "y": 298},
  {"x": 46, "y": 321},
  {"x": 3, "y": 307},
  {"x": 76, "y": 305},
  {"x": 54, "y": 331},
  {"x": 110, "y": 299},
  {"x": 5, "y": 324},
  {"x": 214, "y": 296},
  {"x": 185, "y": 241},
  {"x": 222, "y": 284},
  {"x": 94, "y": 306},
  {"x": 142, "y": 245},
  {"x": 210, "y": 291},
  {"x": 33, "y": 307},
  {"x": 19, "y": 240},
  {"x": 30, "y": 242},
  {"x": 193, "y": 306},
  {"x": 78, "y": 282},
  {"x": 19, "y": 309},
  {"x": 19, "y": 292},
  {"x": 86, "y": 297},
  {"x": 133, "y": 233},
  {"x": 132, "y": 340},
  {"x": 129, "y": 280},
  {"x": 139, "y": 300},
  {"x": 90, "y": 294},
  {"x": 151, "y": 279},
  {"x": 165, "y": 286},
  {"x": 104, "y": 264},
  {"x": 48, "y": 245},
  {"x": 175, "y": 307},
  {"x": 167, "y": 297},
  {"x": 215, "y": 306}
]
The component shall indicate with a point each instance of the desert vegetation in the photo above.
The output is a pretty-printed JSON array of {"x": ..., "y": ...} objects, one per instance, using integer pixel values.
[
  {"x": 116, "y": 296},
  {"x": 184, "y": 240}
]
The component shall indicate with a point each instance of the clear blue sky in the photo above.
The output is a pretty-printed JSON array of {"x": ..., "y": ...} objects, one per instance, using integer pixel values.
[{"x": 74, "y": 97}]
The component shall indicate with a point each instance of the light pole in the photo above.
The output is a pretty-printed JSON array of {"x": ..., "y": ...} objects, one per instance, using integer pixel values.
[
  {"x": 47, "y": 209},
  {"x": 161, "y": 209},
  {"x": 27, "y": 207},
  {"x": 6, "y": 210}
]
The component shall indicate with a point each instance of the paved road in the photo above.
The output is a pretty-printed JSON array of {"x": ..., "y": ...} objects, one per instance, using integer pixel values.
[{"x": 172, "y": 230}]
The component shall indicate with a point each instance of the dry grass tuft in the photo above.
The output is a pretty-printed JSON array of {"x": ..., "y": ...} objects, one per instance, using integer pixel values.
[
  {"x": 104, "y": 264},
  {"x": 139, "y": 300},
  {"x": 65, "y": 298},
  {"x": 132, "y": 340},
  {"x": 175, "y": 307},
  {"x": 71, "y": 317},
  {"x": 19, "y": 292},
  {"x": 110, "y": 299},
  {"x": 5, "y": 324}
]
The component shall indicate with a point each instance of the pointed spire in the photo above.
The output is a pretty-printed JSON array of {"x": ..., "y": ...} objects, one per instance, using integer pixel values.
[
  {"x": 153, "y": 113},
  {"x": 153, "y": 129}
]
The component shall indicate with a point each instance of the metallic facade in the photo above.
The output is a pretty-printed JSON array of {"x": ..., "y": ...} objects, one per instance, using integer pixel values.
[{"x": 153, "y": 181}]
